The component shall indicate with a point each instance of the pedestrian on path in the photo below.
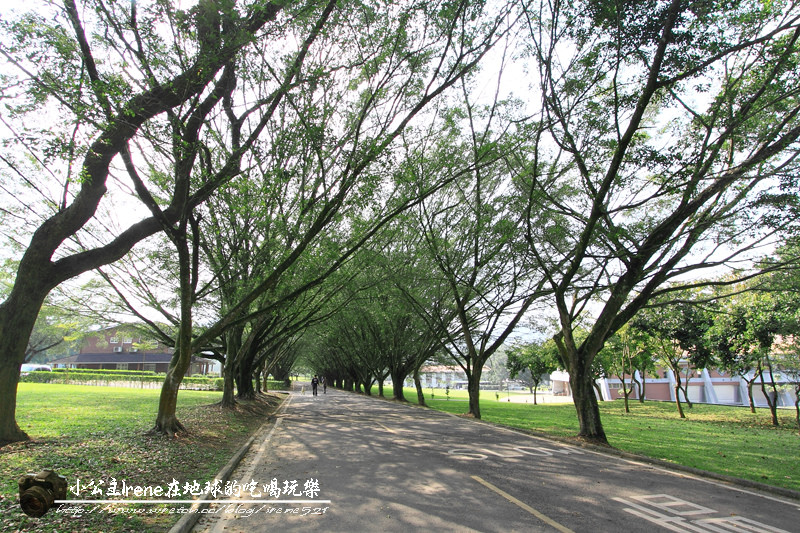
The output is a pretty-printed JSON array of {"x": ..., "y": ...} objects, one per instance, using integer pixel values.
[
  {"x": 324, "y": 384},
  {"x": 314, "y": 383}
]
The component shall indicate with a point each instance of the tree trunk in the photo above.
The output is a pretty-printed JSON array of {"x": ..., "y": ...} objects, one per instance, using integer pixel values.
[
  {"x": 750, "y": 399},
  {"x": 228, "y": 385},
  {"x": 591, "y": 428},
  {"x": 421, "y": 394},
  {"x": 380, "y": 388},
  {"x": 678, "y": 401},
  {"x": 686, "y": 390},
  {"x": 167, "y": 422},
  {"x": 640, "y": 386},
  {"x": 282, "y": 373},
  {"x": 17, "y": 317},
  {"x": 626, "y": 392},
  {"x": 244, "y": 379},
  {"x": 644, "y": 388},
  {"x": 678, "y": 390},
  {"x": 9, "y": 378},
  {"x": 397, "y": 386},
  {"x": 474, "y": 390},
  {"x": 772, "y": 400},
  {"x": 598, "y": 392}
]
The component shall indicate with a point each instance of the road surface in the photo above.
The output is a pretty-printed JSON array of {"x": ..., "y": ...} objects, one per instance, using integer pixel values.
[{"x": 341, "y": 462}]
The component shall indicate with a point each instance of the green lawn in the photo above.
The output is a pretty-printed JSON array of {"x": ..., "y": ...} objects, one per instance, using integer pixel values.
[
  {"x": 727, "y": 440},
  {"x": 98, "y": 433}
]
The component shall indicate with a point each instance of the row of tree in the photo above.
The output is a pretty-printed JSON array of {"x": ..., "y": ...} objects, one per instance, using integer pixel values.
[
  {"x": 259, "y": 139},
  {"x": 336, "y": 180},
  {"x": 748, "y": 329}
]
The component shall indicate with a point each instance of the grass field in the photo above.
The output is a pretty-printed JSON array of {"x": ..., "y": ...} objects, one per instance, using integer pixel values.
[
  {"x": 99, "y": 433},
  {"x": 722, "y": 439}
]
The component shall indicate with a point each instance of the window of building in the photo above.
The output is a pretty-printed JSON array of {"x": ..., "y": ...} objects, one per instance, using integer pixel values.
[
  {"x": 122, "y": 366},
  {"x": 150, "y": 367}
]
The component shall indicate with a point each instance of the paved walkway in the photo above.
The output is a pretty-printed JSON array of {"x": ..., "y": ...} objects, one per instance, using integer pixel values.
[{"x": 365, "y": 464}]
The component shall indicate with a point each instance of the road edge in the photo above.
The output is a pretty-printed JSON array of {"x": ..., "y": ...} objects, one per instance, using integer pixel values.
[{"x": 189, "y": 520}]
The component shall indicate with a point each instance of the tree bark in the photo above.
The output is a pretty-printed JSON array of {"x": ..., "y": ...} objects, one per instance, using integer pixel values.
[
  {"x": 418, "y": 386},
  {"x": 244, "y": 379},
  {"x": 772, "y": 401},
  {"x": 397, "y": 386},
  {"x": 591, "y": 428},
  {"x": 9, "y": 378},
  {"x": 17, "y": 318},
  {"x": 228, "y": 386},
  {"x": 167, "y": 422},
  {"x": 750, "y": 400},
  {"x": 474, "y": 389}
]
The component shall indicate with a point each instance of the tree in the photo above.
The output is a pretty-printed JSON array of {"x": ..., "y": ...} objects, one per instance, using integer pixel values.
[
  {"x": 376, "y": 82},
  {"x": 627, "y": 352},
  {"x": 57, "y": 326},
  {"x": 783, "y": 284},
  {"x": 372, "y": 84},
  {"x": 658, "y": 124},
  {"x": 677, "y": 334},
  {"x": 537, "y": 358},
  {"x": 105, "y": 114},
  {"x": 743, "y": 335},
  {"x": 470, "y": 235}
]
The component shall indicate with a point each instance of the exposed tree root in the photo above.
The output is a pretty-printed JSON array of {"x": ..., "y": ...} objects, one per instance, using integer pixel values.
[
  {"x": 16, "y": 435},
  {"x": 170, "y": 428}
]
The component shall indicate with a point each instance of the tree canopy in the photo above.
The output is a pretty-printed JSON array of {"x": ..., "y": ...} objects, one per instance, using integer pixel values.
[{"x": 260, "y": 155}]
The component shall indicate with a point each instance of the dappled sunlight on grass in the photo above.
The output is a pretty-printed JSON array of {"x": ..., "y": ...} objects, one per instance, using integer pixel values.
[{"x": 95, "y": 433}]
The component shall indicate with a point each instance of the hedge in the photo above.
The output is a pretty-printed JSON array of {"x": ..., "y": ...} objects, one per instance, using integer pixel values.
[
  {"x": 109, "y": 376},
  {"x": 131, "y": 377}
]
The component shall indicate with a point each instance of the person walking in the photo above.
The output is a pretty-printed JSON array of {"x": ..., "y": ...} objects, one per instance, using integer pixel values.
[
  {"x": 324, "y": 384},
  {"x": 314, "y": 383}
]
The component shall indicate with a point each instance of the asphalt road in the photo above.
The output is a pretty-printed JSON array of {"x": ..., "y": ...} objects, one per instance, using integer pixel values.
[{"x": 365, "y": 464}]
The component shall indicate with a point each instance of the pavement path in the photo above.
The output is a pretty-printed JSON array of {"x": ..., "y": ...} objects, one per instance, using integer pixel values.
[{"x": 366, "y": 464}]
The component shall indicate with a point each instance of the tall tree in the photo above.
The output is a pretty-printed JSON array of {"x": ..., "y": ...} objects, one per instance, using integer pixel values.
[
  {"x": 469, "y": 232},
  {"x": 659, "y": 124},
  {"x": 54, "y": 69}
]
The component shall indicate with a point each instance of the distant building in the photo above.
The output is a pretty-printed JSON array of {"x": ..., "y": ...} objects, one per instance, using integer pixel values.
[
  {"x": 443, "y": 376},
  {"x": 704, "y": 386},
  {"x": 117, "y": 348}
]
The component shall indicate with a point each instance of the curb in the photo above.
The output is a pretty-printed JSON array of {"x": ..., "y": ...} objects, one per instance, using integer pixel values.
[{"x": 189, "y": 520}]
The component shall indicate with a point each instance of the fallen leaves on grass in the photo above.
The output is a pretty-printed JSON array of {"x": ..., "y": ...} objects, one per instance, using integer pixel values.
[{"x": 128, "y": 453}]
